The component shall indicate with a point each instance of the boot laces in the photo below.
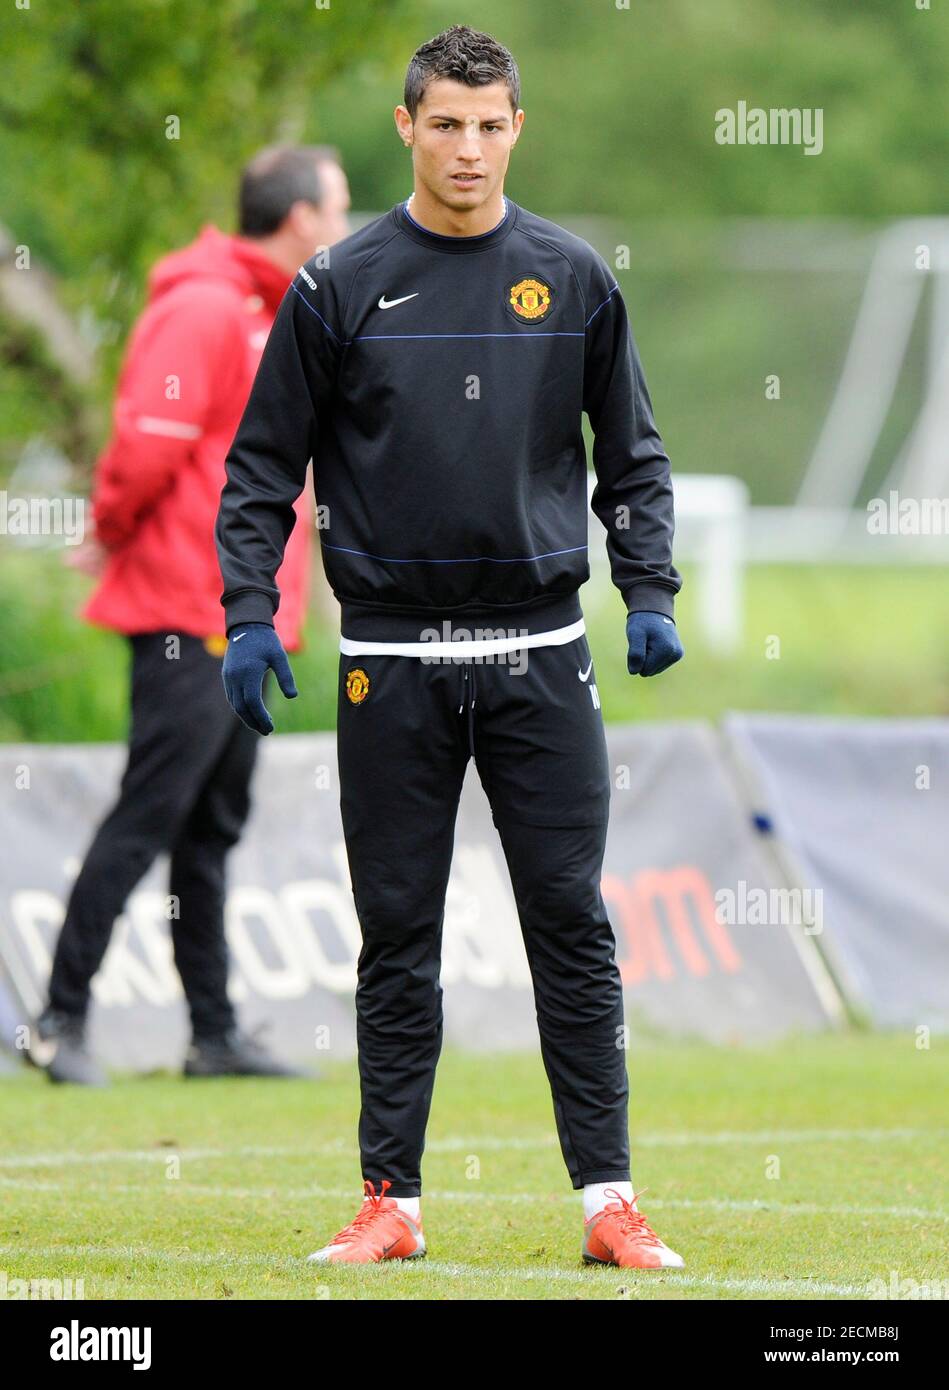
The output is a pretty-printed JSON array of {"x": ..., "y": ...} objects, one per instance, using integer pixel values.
[
  {"x": 632, "y": 1223},
  {"x": 370, "y": 1209}
]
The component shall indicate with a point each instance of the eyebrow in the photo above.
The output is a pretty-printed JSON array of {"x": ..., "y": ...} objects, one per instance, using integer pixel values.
[{"x": 485, "y": 120}]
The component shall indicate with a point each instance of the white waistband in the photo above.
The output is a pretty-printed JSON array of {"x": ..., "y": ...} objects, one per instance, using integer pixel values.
[{"x": 350, "y": 646}]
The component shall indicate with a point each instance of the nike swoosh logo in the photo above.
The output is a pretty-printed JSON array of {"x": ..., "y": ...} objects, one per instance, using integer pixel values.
[
  {"x": 237, "y": 639},
  {"x": 391, "y": 303},
  {"x": 585, "y": 675}
]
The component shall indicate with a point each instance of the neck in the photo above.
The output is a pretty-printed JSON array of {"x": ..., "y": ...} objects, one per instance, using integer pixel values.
[
  {"x": 285, "y": 255},
  {"x": 446, "y": 221}
]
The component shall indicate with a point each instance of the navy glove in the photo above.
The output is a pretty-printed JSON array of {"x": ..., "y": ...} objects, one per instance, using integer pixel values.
[
  {"x": 252, "y": 650},
  {"x": 653, "y": 644}
]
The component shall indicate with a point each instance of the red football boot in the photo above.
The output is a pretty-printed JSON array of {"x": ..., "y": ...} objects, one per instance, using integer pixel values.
[
  {"x": 619, "y": 1235},
  {"x": 380, "y": 1231}
]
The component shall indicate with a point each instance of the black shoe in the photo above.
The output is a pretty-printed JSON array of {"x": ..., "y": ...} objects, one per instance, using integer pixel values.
[
  {"x": 58, "y": 1047},
  {"x": 233, "y": 1054}
]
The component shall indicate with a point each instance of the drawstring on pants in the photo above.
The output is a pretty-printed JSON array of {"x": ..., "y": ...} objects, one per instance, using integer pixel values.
[{"x": 468, "y": 688}]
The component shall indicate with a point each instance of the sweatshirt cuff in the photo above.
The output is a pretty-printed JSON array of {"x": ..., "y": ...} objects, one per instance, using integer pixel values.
[
  {"x": 650, "y": 598},
  {"x": 250, "y": 607}
]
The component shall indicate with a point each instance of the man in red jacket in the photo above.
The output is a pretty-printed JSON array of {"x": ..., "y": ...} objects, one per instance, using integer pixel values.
[{"x": 183, "y": 387}]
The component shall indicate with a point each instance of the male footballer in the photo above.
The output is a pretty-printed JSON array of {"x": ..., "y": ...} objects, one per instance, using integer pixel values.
[{"x": 436, "y": 366}]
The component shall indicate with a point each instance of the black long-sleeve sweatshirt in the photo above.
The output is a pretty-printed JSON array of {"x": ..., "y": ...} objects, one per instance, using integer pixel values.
[{"x": 438, "y": 384}]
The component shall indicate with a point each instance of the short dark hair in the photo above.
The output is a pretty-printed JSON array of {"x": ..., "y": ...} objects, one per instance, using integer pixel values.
[
  {"x": 275, "y": 179},
  {"x": 464, "y": 55}
]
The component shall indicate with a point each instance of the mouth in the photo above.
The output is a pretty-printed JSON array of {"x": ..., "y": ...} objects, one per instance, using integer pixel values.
[{"x": 466, "y": 180}]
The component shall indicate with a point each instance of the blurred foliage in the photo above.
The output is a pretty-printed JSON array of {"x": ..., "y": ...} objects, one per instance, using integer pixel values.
[
  {"x": 620, "y": 122},
  {"x": 86, "y": 89},
  {"x": 91, "y": 179},
  {"x": 620, "y": 106}
]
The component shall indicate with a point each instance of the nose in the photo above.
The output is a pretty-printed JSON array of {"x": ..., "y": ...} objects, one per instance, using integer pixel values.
[{"x": 471, "y": 145}]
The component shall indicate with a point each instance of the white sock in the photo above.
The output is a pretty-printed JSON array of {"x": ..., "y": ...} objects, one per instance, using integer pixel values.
[
  {"x": 595, "y": 1199},
  {"x": 410, "y": 1205}
]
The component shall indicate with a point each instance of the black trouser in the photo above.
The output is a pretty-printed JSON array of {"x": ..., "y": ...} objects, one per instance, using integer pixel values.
[
  {"x": 185, "y": 790},
  {"x": 540, "y": 751}
]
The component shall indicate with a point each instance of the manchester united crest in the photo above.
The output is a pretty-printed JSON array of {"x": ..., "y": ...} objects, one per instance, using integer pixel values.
[
  {"x": 529, "y": 300},
  {"x": 357, "y": 685}
]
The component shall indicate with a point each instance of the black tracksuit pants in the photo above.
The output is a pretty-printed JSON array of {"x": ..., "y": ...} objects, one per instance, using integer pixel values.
[
  {"x": 185, "y": 790},
  {"x": 538, "y": 743}
]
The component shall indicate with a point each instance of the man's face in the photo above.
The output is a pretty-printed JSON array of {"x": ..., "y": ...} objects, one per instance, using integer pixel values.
[
  {"x": 328, "y": 223},
  {"x": 461, "y": 141}
]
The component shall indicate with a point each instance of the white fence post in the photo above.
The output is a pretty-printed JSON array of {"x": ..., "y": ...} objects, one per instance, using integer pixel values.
[{"x": 711, "y": 512}]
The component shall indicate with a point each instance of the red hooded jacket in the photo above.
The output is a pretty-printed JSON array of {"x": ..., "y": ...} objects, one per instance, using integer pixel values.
[{"x": 185, "y": 380}]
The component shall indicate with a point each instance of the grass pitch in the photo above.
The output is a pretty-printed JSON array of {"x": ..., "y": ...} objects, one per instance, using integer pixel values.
[{"x": 802, "y": 1170}]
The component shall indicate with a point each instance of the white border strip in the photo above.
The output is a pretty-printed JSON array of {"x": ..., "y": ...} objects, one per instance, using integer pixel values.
[{"x": 556, "y": 637}]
